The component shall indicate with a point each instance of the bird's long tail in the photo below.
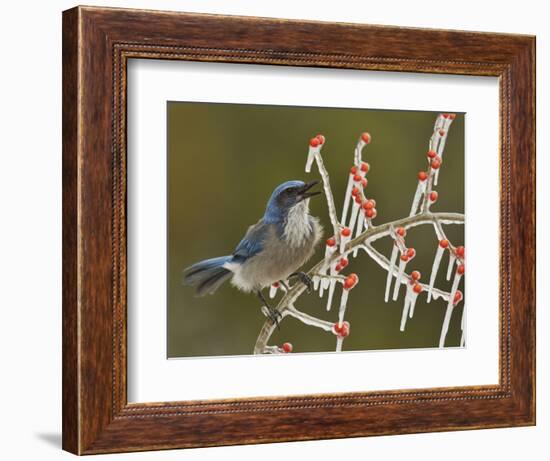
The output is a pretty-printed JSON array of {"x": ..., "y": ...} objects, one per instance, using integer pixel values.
[{"x": 207, "y": 275}]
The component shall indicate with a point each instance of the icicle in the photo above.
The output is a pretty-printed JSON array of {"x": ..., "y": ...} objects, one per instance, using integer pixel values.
[
  {"x": 453, "y": 301},
  {"x": 330, "y": 248},
  {"x": 393, "y": 257},
  {"x": 452, "y": 260},
  {"x": 456, "y": 282},
  {"x": 330, "y": 294},
  {"x": 273, "y": 290},
  {"x": 399, "y": 278},
  {"x": 331, "y": 286},
  {"x": 406, "y": 307},
  {"x": 420, "y": 188},
  {"x": 347, "y": 197},
  {"x": 435, "y": 268},
  {"x": 414, "y": 296},
  {"x": 446, "y": 322},
  {"x": 316, "y": 283},
  {"x": 343, "y": 304}
]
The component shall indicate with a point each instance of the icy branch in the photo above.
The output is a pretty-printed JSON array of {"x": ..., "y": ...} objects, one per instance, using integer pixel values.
[{"x": 325, "y": 274}]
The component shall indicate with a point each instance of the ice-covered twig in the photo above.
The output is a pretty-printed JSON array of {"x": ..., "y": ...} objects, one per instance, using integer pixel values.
[
  {"x": 315, "y": 152},
  {"x": 359, "y": 168},
  {"x": 309, "y": 319},
  {"x": 420, "y": 191},
  {"x": 384, "y": 263},
  {"x": 346, "y": 243}
]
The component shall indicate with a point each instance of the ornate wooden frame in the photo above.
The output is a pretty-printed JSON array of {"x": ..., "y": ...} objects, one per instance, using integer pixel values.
[{"x": 97, "y": 43}]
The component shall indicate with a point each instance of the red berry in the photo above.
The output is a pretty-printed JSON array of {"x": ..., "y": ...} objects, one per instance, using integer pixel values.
[
  {"x": 287, "y": 348},
  {"x": 358, "y": 199},
  {"x": 370, "y": 212},
  {"x": 458, "y": 297},
  {"x": 460, "y": 251},
  {"x": 321, "y": 139},
  {"x": 276, "y": 285},
  {"x": 452, "y": 116},
  {"x": 401, "y": 231},
  {"x": 461, "y": 269},
  {"x": 422, "y": 176},
  {"x": 445, "y": 115},
  {"x": 415, "y": 275},
  {"x": 349, "y": 284},
  {"x": 314, "y": 142},
  {"x": 374, "y": 213},
  {"x": 364, "y": 182},
  {"x": 351, "y": 281},
  {"x": 353, "y": 170},
  {"x": 365, "y": 167},
  {"x": 357, "y": 177},
  {"x": 331, "y": 242},
  {"x": 417, "y": 288},
  {"x": 344, "y": 262},
  {"x": 433, "y": 196},
  {"x": 344, "y": 331},
  {"x": 435, "y": 164},
  {"x": 366, "y": 137},
  {"x": 341, "y": 330},
  {"x": 369, "y": 204},
  {"x": 441, "y": 132},
  {"x": 354, "y": 191},
  {"x": 404, "y": 257},
  {"x": 338, "y": 268},
  {"x": 444, "y": 243},
  {"x": 431, "y": 153},
  {"x": 346, "y": 231},
  {"x": 411, "y": 253}
]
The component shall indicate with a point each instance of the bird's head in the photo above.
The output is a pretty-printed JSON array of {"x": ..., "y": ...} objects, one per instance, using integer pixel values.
[{"x": 288, "y": 195}]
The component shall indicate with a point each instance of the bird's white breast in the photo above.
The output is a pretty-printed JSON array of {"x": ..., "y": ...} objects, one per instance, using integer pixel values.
[{"x": 297, "y": 230}]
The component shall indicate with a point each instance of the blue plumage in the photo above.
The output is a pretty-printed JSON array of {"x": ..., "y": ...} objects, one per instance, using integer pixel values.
[{"x": 271, "y": 250}]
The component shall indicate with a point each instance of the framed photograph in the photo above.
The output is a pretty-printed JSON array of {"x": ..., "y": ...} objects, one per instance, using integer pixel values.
[{"x": 266, "y": 225}]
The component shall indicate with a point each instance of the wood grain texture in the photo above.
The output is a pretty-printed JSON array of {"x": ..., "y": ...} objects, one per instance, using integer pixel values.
[{"x": 97, "y": 43}]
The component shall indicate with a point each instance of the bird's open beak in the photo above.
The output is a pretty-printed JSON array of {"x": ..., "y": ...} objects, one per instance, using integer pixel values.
[{"x": 304, "y": 193}]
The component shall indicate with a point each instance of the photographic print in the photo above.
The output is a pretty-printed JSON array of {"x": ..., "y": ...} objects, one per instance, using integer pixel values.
[{"x": 313, "y": 229}]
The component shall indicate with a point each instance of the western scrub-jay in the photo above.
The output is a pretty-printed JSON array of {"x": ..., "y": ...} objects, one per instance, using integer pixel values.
[{"x": 272, "y": 250}]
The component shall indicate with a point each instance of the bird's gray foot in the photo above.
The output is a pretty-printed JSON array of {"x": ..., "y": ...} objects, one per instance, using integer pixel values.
[
  {"x": 273, "y": 314},
  {"x": 305, "y": 279}
]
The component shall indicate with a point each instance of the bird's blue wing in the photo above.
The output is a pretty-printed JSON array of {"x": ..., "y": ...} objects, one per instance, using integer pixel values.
[{"x": 252, "y": 243}]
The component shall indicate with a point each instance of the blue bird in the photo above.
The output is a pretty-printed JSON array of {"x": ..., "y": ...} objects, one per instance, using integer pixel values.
[{"x": 272, "y": 250}]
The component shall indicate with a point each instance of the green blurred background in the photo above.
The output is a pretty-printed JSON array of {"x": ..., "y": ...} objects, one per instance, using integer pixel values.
[{"x": 224, "y": 160}]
